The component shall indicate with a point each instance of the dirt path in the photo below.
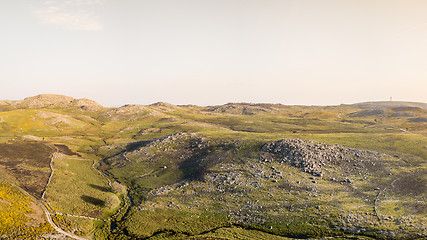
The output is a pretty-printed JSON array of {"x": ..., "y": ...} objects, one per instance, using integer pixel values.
[
  {"x": 377, "y": 199},
  {"x": 401, "y": 129},
  {"x": 54, "y": 155},
  {"x": 47, "y": 213},
  {"x": 48, "y": 181}
]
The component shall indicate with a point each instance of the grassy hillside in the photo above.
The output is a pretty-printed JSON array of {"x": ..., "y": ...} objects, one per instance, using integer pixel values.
[
  {"x": 187, "y": 184},
  {"x": 206, "y": 173}
]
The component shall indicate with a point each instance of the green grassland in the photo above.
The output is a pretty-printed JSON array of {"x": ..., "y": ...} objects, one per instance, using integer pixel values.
[
  {"x": 77, "y": 189},
  {"x": 184, "y": 188}
]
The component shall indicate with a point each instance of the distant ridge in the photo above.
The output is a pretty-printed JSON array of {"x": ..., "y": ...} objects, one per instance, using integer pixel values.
[
  {"x": 54, "y": 101},
  {"x": 164, "y": 106},
  {"x": 245, "y": 108},
  {"x": 242, "y": 108},
  {"x": 381, "y": 105}
]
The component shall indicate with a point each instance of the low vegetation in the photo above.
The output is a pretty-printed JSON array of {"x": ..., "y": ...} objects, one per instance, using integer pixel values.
[
  {"x": 26, "y": 163},
  {"x": 187, "y": 172},
  {"x": 20, "y": 217}
]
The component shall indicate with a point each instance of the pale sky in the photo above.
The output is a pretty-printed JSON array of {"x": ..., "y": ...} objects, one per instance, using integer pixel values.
[{"x": 209, "y": 52}]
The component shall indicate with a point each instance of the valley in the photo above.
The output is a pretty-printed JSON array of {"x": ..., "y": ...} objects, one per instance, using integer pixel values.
[{"x": 234, "y": 171}]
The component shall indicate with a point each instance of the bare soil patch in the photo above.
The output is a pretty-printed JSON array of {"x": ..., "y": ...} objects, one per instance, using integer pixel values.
[
  {"x": 65, "y": 150},
  {"x": 36, "y": 153},
  {"x": 411, "y": 184},
  {"x": 36, "y": 217},
  {"x": 27, "y": 163}
]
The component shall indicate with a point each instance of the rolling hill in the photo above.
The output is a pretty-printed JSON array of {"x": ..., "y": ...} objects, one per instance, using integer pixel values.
[{"x": 73, "y": 168}]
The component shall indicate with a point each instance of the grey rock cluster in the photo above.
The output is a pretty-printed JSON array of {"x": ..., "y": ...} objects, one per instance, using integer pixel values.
[{"x": 313, "y": 157}]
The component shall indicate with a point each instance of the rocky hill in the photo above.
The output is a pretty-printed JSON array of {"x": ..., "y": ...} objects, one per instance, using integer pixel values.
[
  {"x": 319, "y": 159},
  {"x": 245, "y": 108},
  {"x": 267, "y": 186},
  {"x": 129, "y": 112},
  {"x": 54, "y": 101},
  {"x": 235, "y": 171}
]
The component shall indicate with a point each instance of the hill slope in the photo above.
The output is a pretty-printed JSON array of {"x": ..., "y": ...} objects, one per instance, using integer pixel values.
[
  {"x": 53, "y": 101},
  {"x": 289, "y": 187},
  {"x": 252, "y": 171},
  {"x": 389, "y": 104}
]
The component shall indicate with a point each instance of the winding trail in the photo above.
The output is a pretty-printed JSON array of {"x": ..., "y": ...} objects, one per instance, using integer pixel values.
[
  {"x": 377, "y": 199},
  {"x": 126, "y": 157},
  {"x": 47, "y": 213},
  {"x": 48, "y": 181},
  {"x": 55, "y": 155},
  {"x": 401, "y": 129}
]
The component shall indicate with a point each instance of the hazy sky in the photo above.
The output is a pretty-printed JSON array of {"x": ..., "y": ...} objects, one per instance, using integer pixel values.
[{"x": 209, "y": 52}]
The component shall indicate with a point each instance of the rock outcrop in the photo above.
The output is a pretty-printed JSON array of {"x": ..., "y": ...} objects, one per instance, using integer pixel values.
[
  {"x": 313, "y": 157},
  {"x": 163, "y": 106},
  {"x": 46, "y": 100},
  {"x": 86, "y": 104},
  {"x": 245, "y": 108},
  {"x": 56, "y": 101},
  {"x": 130, "y": 112}
]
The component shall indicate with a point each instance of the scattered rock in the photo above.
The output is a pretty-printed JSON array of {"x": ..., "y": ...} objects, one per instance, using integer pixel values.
[{"x": 313, "y": 157}]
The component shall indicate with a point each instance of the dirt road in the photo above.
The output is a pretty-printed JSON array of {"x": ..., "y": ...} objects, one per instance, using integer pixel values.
[{"x": 47, "y": 213}]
